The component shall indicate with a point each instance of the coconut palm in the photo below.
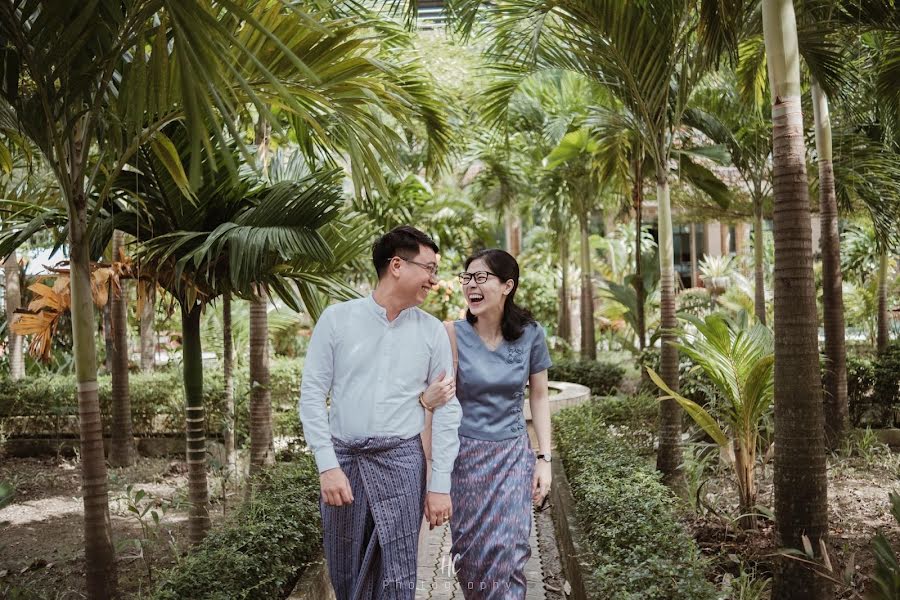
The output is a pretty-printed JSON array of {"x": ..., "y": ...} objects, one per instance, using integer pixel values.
[{"x": 737, "y": 356}]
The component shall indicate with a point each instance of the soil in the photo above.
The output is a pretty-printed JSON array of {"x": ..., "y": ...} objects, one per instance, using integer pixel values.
[
  {"x": 859, "y": 508},
  {"x": 551, "y": 566},
  {"x": 41, "y": 536}
]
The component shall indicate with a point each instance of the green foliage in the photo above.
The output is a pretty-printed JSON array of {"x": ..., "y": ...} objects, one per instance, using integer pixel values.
[
  {"x": 262, "y": 548},
  {"x": 602, "y": 378},
  {"x": 47, "y": 404},
  {"x": 887, "y": 569},
  {"x": 637, "y": 548},
  {"x": 873, "y": 387},
  {"x": 638, "y": 412}
]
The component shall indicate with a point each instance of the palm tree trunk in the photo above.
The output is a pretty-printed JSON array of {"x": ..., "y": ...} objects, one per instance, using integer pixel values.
[
  {"x": 108, "y": 341},
  {"x": 801, "y": 487},
  {"x": 693, "y": 243},
  {"x": 835, "y": 379},
  {"x": 744, "y": 464},
  {"x": 588, "y": 338},
  {"x": 759, "y": 261},
  {"x": 228, "y": 367},
  {"x": 13, "y": 296},
  {"x": 883, "y": 336},
  {"x": 513, "y": 227},
  {"x": 99, "y": 555},
  {"x": 564, "y": 327},
  {"x": 122, "y": 444},
  {"x": 148, "y": 328},
  {"x": 262, "y": 452},
  {"x": 192, "y": 359},
  {"x": 668, "y": 458},
  {"x": 637, "y": 197}
]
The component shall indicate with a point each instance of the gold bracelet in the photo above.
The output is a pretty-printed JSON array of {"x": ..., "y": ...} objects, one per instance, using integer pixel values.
[{"x": 422, "y": 402}]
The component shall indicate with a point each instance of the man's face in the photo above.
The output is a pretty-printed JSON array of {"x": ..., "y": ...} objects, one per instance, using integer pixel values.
[{"x": 416, "y": 278}]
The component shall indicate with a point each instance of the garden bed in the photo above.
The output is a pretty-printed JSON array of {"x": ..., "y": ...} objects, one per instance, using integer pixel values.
[{"x": 633, "y": 546}]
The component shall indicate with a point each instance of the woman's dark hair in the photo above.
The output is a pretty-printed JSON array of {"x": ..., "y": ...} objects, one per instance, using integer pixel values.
[
  {"x": 504, "y": 266},
  {"x": 401, "y": 241}
]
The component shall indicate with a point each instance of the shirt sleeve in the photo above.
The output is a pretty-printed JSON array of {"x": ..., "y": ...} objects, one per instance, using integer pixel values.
[
  {"x": 444, "y": 425},
  {"x": 318, "y": 377},
  {"x": 540, "y": 354}
]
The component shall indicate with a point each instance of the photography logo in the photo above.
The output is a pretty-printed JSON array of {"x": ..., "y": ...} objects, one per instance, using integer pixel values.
[{"x": 448, "y": 565}]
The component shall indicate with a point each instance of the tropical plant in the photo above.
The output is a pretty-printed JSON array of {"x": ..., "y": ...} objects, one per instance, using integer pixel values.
[
  {"x": 236, "y": 235},
  {"x": 738, "y": 357},
  {"x": 716, "y": 272},
  {"x": 646, "y": 54}
]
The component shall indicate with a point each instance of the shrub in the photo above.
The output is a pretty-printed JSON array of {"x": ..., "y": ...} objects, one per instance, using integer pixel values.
[
  {"x": 602, "y": 378},
  {"x": 262, "y": 548},
  {"x": 637, "y": 548},
  {"x": 886, "y": 385},
  {"x": 873, "y": 387},
  {"x": 48, "y": 404}
]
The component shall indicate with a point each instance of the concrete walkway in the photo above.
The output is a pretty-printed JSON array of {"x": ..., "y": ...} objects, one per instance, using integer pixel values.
[{"x": 436, "y": 580}]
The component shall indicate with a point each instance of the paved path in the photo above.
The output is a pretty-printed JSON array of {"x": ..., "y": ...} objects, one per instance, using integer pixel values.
[{"x": 436, "y": 581}]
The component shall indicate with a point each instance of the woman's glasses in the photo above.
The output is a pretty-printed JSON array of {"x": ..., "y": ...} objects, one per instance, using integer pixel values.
[{"x": 478, "y": 276}]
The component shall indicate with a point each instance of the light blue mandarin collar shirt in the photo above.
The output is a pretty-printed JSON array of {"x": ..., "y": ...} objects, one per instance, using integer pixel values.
[{"x": 374, "y": 370}]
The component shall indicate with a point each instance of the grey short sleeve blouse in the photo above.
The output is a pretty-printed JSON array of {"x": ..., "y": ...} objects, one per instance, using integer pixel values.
[{"x": 490, "y": 385}]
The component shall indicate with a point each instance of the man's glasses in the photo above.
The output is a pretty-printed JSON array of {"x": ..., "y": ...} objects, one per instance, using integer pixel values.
[
  {"x": 478, "y": 276},
  {"x": 432, "y": 269}
]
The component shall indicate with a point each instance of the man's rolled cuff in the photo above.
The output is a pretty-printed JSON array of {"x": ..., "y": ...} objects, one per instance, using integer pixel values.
[
  {"x": 440, "y": 482},
  {"x": 326, "y": 459}
]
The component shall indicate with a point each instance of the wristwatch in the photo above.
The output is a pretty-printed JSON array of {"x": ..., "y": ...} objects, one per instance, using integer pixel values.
[{"x": 545, "y": 457}]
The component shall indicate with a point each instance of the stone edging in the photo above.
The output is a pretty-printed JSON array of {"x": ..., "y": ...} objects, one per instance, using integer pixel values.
[
  {"x": 569, "y": 538},
  {"x": 570, "y": 394}
]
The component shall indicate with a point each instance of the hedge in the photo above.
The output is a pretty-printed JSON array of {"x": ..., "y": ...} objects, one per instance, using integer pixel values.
[
  {"x": 262, "y": 548},
  {"x": 637, "y": 548},
  {"x": 602, "y": 378},
  {"x": 48, "y": 405}
]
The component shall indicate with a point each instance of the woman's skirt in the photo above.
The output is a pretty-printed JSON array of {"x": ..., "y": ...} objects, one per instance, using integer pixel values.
[{"x": 491, "y": 521}]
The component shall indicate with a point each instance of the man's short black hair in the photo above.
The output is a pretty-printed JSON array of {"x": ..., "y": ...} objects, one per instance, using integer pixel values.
[{"x": 401, "y": 241}]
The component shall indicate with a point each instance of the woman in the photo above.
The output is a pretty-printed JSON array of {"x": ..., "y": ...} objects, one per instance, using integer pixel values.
[{"x": 496, "y": 476}]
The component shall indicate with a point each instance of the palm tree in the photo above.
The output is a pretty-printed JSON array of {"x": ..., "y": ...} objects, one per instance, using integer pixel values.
[
  {"x": 121, "y": 452},
  {"x": 228, "y": 376},
  {"x": 262, "y": 446},
  {"x": 737, "y": 357},
  {"x": 801, "y": 487},
  {"x": 13, "y": 298},
  {"x": 147, "y": 311},
  {"x": 235, "y": 236},
  {"x": 728, "y": 117},
  {"x": 646, "y": 54},
  {"x": 262, "y": 451}
]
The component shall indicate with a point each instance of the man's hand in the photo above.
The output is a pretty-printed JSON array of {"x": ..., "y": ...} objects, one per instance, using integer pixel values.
[
  {"x": 439, "y": 392},
  {"x": 438, "y": 509},
  {"x": 335, "y": 487}
]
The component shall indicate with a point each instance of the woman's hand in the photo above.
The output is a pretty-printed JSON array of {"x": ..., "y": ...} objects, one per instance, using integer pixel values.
[
  {"x": 540, "y": 485},
  {"x": 439, "y": 392}
]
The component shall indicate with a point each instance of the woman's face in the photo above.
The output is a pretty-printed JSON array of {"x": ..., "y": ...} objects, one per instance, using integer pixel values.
[{"x": 487, "y": 297}]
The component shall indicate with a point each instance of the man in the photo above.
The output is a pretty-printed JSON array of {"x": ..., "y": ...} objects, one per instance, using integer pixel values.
[{"x": 376, "y": 356}]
